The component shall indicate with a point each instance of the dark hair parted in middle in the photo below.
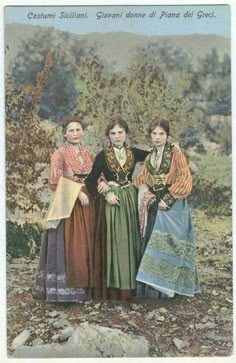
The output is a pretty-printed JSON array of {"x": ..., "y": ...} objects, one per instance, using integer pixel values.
[
  {"x": 116, "y": 120},
  {"x": 161, "y": 122},
  {"x": 66, "y": 120}
]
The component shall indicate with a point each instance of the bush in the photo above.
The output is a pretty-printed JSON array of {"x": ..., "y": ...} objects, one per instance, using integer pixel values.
[
  {"x": 23, "y": 240},
  {"x": 212, "y": 186}
]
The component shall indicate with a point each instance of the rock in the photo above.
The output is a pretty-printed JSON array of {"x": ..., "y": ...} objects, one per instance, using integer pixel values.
[
  {"x": 23, "y": 304},
  {"x": 90, "y": 341},
  {"x": 61, "y": 323},
  {"x": 180, "y": 344},
  {"x": 224, "y": 310},
  {"x": 160, "y": 318},
  {"x": 93, "y": 313},
  {"x": 50, "y": 321},
  {"x": 123, "y": 314},
  {"x": 136, "y": 307},
  {"x": 41, "y": 326},
  {"x": 130, "y": 322},
  {"x": 55, "y": 337},
  {"x": 151, "y": 315},
  {"x": 97, "y": 306},
  {"x": 216, "y": 337},
  {"x": 163, "y": 310},
  {"x": 208, "y": 325},
  {"x": 21, "y": 339},
  {"x": 65, "y": 334},
  {"x": 37, "y": 341},
  {"x": 34, "y": 319},
  {"x": 53, "y": 314}
]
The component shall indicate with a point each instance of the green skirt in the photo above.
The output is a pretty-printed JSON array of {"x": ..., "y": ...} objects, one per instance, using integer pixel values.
[{"x": 123, "y": 239}]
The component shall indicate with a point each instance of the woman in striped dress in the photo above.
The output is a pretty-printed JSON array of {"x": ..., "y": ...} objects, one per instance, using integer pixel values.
[{"x": 168, "y": 244}]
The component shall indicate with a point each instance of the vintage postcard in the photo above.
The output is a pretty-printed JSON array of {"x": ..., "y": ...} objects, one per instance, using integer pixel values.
[{"x": 118, "y": 163}]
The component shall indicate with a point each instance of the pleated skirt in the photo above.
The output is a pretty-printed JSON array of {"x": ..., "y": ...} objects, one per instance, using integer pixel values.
[
  {"x": 168, "y": 265},
  {"x": 117, "y": 246},
  {"x": 123, "y": 239},
  {"x": 66, "y": 265}
]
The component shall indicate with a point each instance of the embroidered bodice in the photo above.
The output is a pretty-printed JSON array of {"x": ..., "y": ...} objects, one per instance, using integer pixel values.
[
  {"x": 107, "y": 163},
  {"x": 70, "y": 163},
  {"x": 173, "y": 174}
]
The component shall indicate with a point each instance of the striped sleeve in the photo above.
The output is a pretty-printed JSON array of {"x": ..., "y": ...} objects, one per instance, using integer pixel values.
[
  {"x": 144, "y": 177},
  {"x": 181, "y": 183}
]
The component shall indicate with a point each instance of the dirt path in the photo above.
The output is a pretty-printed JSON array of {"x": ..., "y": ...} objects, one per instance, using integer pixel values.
[{"x": 200, "y": 326}]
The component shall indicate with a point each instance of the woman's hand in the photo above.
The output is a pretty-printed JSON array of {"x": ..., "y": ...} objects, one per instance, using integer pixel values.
[
  {"x": 112, "y": 199},
  {"x": 162, "y": 205},
  {"x": 84, "y": 200},
  {"x": 103, "y": 187},
  {"x": 176, "y": 146}
]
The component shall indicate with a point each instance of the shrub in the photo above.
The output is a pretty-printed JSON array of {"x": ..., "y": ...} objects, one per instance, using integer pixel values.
[
  {"x": 23, "y": 240},
  {"x": 212, "y": 187}
]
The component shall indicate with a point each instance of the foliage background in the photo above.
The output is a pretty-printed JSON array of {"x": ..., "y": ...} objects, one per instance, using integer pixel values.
[{"x": 50, "y": 73}]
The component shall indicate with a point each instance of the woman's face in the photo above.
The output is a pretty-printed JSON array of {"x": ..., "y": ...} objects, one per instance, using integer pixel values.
[
  {"x": 74, "y": 132},
  {"x": 117, "y": 136},
  {"x": 158, "y": 136}
]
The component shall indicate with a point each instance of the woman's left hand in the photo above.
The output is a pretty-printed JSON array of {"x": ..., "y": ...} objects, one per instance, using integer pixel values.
[
  {"x": 112, "y": 198},
  {"x": 162, "y": 205}
]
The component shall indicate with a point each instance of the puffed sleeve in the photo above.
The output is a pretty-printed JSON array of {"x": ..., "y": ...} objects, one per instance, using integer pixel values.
[
  {"x": 56, "y": 169},
  {"x": 179, "y": 179},
  {"x": 92, "y": 179},
  {"x": 144, "y": 177}
]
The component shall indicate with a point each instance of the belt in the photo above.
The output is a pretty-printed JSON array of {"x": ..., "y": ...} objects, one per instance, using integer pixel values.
[
  {"x": 159, "y": 182},
  {"x": 81, "y": 177},
  {"x": 111, "y": 183}
]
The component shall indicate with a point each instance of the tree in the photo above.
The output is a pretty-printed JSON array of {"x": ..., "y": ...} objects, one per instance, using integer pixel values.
[
  {"x": 26, "y": 154},
  {"x": 137, "y": 95},
  {"x": 214, "y": 77},
  {"x": 59, "y": 96}
]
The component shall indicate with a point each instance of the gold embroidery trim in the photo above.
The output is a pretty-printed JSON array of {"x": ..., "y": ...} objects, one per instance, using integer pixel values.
[{"x": 113, "y": 163}]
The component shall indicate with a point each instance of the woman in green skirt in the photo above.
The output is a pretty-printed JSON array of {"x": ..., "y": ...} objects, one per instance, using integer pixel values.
[{"x": 117, "y": 240}]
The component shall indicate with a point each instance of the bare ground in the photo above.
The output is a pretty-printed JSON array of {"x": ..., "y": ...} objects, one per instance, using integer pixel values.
[{"x": 203, "y": 324}]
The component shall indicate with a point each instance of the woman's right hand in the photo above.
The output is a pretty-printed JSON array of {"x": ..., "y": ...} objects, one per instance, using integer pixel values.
[
  {"x": 84, "y": 200},
  {"x": 103, "y": 187}
]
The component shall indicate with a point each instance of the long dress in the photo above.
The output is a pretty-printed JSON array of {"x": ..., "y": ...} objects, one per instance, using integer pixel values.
[
  {"x": 168, "y": 263},
  {"x": 117, "y": 250},
  {"x": 66, "y": 263}
]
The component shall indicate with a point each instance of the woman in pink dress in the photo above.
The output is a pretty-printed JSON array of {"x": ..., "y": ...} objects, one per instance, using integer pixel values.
[{"x": 66, "y": 256}]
